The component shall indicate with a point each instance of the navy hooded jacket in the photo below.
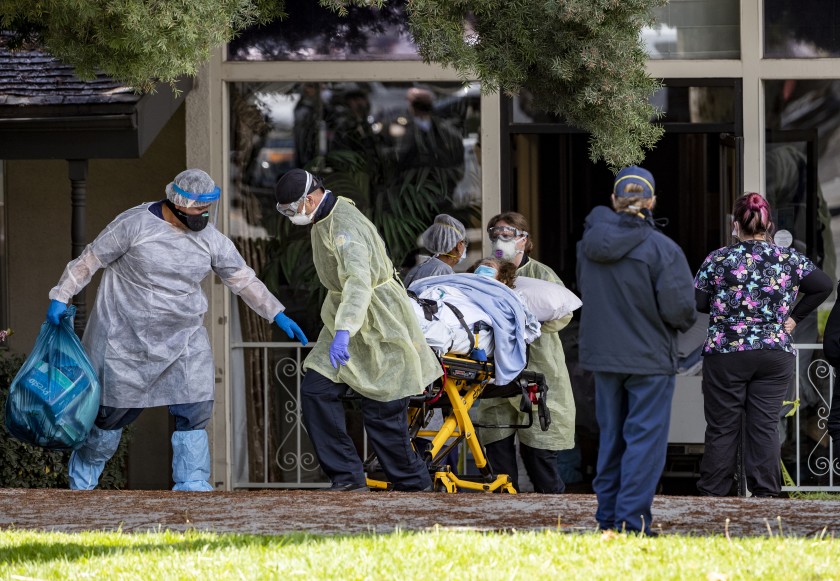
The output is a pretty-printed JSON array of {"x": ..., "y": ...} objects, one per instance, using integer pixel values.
[{"x": 637, "y": 292}]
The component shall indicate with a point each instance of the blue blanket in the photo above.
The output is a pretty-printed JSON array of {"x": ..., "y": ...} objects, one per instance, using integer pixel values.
[{"x": 505, "y": 310}]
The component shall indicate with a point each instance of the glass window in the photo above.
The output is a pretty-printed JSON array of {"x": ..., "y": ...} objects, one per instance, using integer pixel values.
[
  {"x": 803, "y": 188},
  {"x": 401, "y": 161},
  {"x": 695, "y": 29},
  {"x": 679, "y": 104},
  {"x": 803, "y": 174},
  {"x": 801, "y": 29},
  {"x": 312, "y": 33}
]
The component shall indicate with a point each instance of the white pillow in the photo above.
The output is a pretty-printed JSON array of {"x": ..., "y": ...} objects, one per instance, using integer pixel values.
[{"x": 548, "y": 301}]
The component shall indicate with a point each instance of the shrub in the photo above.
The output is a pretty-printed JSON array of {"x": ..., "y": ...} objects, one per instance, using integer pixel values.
[{"x": 25, "y": 466}]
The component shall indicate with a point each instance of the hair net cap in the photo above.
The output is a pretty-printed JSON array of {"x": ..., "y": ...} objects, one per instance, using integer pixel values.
[
  {"x": 443, "y": 235},
  {"x": 634, "y": 175},
  {"x": 192, "y": 187},
  {"x": 294, "y": 185}
]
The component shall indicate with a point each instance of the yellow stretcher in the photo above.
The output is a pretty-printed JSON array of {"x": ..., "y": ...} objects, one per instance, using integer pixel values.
[{"x": 464, "y": 382}]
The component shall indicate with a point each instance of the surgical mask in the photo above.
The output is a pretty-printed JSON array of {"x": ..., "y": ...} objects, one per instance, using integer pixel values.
[
  {"x": 195, "y": 222},
  {"x": 506, "y": 249},
  {"x": 463, "y": 256},
  {"x": 304, "y": 219},
  {"x": 487, "y": 271}
]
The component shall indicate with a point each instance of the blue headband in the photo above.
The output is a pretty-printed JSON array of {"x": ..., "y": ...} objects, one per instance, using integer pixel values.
[{"x": 208, "y": 197}]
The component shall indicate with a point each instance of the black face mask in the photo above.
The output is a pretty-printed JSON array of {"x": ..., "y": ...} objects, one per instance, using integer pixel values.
[{"x": 195, "y": 222}]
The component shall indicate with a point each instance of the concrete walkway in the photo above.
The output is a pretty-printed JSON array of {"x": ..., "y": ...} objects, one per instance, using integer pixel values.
[{"x": 279, "y": 512}]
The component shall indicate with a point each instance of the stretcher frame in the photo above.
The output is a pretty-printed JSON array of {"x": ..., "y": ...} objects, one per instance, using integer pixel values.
[{"x": 465, "y": 381}]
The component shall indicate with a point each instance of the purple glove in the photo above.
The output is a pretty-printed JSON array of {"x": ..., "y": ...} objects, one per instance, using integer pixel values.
[{"x": 338, "y": 349}]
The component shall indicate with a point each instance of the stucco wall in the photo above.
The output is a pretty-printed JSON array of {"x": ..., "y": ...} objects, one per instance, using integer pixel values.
[{"x": 38, "y": 237}]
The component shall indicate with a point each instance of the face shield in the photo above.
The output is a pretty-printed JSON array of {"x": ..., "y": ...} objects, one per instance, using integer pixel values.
[
  {"x": 290, "y": 210},
  {"x": 196, "y": 197}
]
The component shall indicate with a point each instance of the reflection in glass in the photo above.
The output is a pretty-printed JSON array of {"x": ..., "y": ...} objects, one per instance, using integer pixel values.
[
  {"x": 801, "y": 29},
  {"x": 803, "y": 186},
  {"x": 713, "y": 104},
  {"x": 313, "y": 32},
  {"x": 403, "y": 152},
  {"x": 695, "y": 29}
]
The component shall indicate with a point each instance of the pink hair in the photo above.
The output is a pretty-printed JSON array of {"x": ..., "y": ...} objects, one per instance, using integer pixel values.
[{"x": 752, "y": 213}]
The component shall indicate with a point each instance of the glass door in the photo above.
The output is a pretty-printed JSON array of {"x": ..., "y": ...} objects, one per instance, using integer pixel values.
[
  {"x": 792, "y": 188},
  {"x": 731, "y": 181}
]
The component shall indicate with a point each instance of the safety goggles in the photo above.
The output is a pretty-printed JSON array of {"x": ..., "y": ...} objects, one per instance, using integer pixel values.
[
  {"x": 290, "y": 210},
  {"x": 505, "y": 233}
]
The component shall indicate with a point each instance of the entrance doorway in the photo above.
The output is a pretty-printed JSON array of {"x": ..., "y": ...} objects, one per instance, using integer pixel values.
[
  {"x": 548, "y": 177},
  {"x": 554, "y": 184}
]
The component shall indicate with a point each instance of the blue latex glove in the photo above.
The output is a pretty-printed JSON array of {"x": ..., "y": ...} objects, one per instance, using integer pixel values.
[
  {"x": 291, "y": 328},
  {"x": 57, "y": 308},
  {"x": 338, "y": 349}
]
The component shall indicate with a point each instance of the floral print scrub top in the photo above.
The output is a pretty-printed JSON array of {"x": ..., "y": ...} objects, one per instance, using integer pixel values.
[{"x": 752, "y": 287}]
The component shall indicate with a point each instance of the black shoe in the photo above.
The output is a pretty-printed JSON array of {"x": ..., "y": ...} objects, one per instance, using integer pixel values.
[{"x": 348, "y": 487}]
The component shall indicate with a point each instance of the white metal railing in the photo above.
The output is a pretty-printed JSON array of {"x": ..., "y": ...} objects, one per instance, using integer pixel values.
[
  {"x": 807, "y": 451},
  {"x": 286, "y": 449}
]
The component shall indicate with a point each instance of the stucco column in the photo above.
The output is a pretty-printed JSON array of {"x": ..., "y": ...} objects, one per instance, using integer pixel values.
[{"x": 78, "y": 169}]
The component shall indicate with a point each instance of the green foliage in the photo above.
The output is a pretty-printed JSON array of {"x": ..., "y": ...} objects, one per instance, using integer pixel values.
[
  {"x": 25, "y": 466},
  {"x": 581, "y": 59},
  {"x": 137, "y": 41}
]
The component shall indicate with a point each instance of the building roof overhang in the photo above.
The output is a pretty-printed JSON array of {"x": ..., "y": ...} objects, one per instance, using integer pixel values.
[{"x": 47, "y": 112}]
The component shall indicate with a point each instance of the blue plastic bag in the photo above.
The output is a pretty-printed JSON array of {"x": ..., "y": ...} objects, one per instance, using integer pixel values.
[{"x": 54, "y": 398}]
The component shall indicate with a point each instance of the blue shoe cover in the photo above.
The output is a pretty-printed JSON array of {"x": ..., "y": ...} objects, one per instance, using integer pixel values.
[
  {"x": 88, "y": 462},
  {"x": 191, "y": 461}
]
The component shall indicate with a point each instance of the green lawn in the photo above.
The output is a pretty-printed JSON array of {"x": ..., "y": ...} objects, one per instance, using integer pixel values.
[{"x": 26, "y": 555}]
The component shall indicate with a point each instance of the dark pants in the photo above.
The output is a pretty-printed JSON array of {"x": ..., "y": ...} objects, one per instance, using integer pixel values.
[
  {"x": 833, "y": 423},
  {"x": 451, "y": 459},
  {"x": 541, "y": 465},
  {"x": 633, "y": 412},
  {"x": 386, "y": 425},
  {"x": 753, "y": 383},
  {"x": 188, "y": 416}
]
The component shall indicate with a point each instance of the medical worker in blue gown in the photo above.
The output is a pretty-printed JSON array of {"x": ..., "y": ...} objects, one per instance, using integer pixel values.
[{"x": 146, "y": 336}]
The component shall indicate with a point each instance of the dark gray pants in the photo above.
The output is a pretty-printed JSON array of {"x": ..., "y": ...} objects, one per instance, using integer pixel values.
[
  {"x": 386, "y": 425},
  {"x": 541, "y": 465},
  {"x": 753, "y": 383}
]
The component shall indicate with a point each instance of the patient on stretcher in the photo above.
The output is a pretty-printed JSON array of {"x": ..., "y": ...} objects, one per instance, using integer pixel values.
[{"x": 491, "y": 310}]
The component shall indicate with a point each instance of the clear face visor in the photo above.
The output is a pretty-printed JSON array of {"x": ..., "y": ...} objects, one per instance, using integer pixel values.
[
  {"x": 290, "y": 210},
  {"x": 208, "y": 202},
  {"x": 212, "y": 211},
  {"x": 505, "y": 233}
]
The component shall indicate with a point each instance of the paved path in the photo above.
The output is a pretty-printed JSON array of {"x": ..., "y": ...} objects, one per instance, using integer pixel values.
[{"x": 278, "y": 512}]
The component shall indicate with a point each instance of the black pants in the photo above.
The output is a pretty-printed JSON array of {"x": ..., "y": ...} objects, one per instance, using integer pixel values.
[
  {"x": 833, "y": 423},
  {"x": 386, "y": 425},
  {"x": 541, "y": 465},
  {"x": 753, "y": 383}
]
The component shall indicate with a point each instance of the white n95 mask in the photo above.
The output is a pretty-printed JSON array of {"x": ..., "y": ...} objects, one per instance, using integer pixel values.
[
  {"x": 506, "y": 249},
  {"x": 304, "y": 218}
]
